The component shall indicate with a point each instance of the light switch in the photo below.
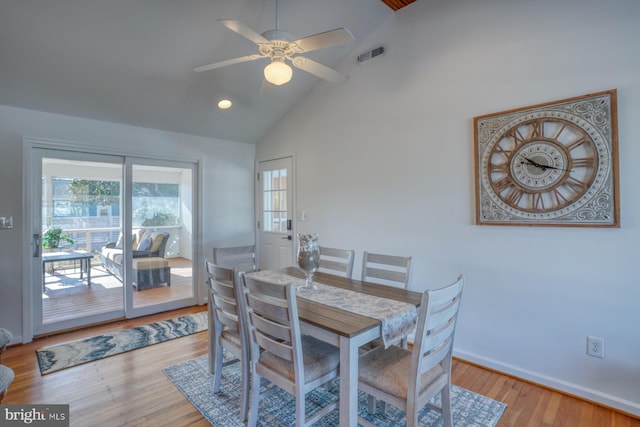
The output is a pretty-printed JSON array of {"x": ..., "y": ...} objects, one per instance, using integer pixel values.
[{"x": 6, "y": 222}]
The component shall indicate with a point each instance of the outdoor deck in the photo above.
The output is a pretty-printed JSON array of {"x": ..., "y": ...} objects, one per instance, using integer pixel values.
[{"x": 68, "y": 297}]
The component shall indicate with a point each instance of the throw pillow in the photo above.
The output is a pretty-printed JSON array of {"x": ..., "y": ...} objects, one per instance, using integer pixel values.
[
  {"x": 120, "y": 242},
  {"x": 145, "y": 244},
  {"x": 157, "y": 239}
]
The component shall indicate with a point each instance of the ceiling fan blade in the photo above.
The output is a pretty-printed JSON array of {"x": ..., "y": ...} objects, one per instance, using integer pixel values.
[
  {"x": 243, "y": 30},
  {"x": 330, "y": 38},
  {"x": 317, "y": 69},
  {"x": 227, "y": 62}
]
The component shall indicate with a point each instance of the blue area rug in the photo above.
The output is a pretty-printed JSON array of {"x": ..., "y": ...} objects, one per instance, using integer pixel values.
[
  {"x": 193, "y": 379},
  {"x": 73, "y": 353}
]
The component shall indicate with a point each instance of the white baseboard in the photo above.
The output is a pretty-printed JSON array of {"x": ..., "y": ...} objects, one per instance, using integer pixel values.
[
  {"x": 17, "y": 339},
  {"x": 605, "y": 399}
]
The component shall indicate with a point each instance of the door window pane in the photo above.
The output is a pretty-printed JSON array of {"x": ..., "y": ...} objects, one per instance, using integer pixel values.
[{"x": 274, "y": 191}]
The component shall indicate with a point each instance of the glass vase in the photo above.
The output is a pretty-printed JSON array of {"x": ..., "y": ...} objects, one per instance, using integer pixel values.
[{"x": 308, "y": 257}]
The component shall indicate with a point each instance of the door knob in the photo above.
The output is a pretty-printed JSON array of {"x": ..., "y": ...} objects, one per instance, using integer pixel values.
[{"x": 36, "y": 245}]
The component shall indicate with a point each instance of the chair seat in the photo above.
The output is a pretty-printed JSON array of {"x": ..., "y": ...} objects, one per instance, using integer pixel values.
[
  {"x": 388, "y": 370},
  {"x": 319, "y": 358},
  {"x": 149, "y": 263}
]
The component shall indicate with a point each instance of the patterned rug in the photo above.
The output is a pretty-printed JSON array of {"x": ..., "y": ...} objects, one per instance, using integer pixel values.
[
  {"x": 192, "y": 378},
  {"x": 73, "y": 353}
]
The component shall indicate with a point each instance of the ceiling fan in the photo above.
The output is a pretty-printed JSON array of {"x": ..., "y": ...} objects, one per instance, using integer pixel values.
[{"x": 279, "y": 46}]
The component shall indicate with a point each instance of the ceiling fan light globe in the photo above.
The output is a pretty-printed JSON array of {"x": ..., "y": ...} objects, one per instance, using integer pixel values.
[{"x": 278, "y": 73}]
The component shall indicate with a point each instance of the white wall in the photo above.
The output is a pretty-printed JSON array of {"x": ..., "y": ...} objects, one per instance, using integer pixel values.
[
  {"x": 227, "y": 171},
  {"x": 385, "y": 164}
]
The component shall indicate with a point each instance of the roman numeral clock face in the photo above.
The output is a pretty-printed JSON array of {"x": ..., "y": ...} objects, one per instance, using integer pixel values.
[{"x": 550, "y": 165}]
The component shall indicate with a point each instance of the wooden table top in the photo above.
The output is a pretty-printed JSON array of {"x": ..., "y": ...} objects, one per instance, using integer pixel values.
[{"x": 343, "y": 322}]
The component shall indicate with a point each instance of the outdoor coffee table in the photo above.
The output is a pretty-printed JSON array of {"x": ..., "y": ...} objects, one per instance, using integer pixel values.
[{"x": 83, "y": 256}]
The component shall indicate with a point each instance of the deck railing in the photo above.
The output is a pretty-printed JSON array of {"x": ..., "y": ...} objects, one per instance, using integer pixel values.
[{"x": 94, "y": 239}]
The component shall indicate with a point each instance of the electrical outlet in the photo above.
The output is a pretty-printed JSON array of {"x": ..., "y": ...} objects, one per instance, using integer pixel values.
[
  {"x": 595, "y": 347},
  {"x": 6, "y": 222}
]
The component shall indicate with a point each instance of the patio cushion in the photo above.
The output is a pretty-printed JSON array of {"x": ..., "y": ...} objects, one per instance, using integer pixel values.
[
  {"x": 114, "y": 254},
  {"x": 149, "y": 263}
]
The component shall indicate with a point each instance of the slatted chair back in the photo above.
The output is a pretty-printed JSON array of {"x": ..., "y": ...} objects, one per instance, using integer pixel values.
[
  {"x": 223, "y": 297},
  {"x": 227, "y": 329},
  {"x": 386, "y": 269},
  {"x": 436, "y": 328},
  {"x": 337, "y": 261},
  {"x": 273, "y": 320},
  {"x": 241, "y": 257}
]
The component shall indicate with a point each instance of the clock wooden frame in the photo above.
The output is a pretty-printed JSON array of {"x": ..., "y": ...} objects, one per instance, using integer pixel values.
[{"x": 552, "y": 164}]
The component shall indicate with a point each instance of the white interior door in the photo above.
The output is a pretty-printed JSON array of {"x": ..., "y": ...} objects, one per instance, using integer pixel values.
[{"x": 275, "y": 224}]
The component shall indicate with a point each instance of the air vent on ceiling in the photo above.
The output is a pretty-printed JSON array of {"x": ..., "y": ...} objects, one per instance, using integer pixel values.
[{"x": 370, "y": 54}]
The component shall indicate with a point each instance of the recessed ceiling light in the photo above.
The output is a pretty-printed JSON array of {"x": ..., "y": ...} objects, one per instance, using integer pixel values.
[{"x": 223, "y": 104}]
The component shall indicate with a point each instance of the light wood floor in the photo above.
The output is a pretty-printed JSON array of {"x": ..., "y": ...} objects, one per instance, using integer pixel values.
[
  {"x": 130, "y": 389},
  {"x": 69, "y": 297}
]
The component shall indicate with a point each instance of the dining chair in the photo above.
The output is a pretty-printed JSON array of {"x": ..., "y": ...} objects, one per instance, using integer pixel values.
[
  {"x": 386, "y": 269},
  {"x": 227, "y": 329},
  {"x": 294, "y": 362},
  {"x": 242, "y": 257},
  {"x": 409, "y": 379},
  {"x": 337, "y": 261},
  {"x": 6, "y": 378}
]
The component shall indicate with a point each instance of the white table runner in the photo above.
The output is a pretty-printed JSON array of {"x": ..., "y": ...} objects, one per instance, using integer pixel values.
[{"x": 398, "y": 318}]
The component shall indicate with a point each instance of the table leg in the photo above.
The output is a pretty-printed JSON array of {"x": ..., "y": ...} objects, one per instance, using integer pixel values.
[
  {"x": 348, "y": 382},
  {"x": 88, "y": 266}
]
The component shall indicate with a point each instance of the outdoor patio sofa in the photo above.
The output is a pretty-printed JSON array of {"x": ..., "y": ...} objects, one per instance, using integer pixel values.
[{"x": 150, "y": 268}]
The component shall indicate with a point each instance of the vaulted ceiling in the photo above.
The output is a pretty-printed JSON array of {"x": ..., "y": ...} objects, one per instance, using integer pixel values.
[{"x": 132, "y": 62}]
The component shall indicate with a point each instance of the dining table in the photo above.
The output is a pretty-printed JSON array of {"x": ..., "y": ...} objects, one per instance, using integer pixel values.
[{"x": 349, "y": 328}]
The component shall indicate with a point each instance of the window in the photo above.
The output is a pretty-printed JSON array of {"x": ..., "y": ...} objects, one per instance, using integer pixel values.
[
  {"x": 155, "y": 204},
  {"x": 274, "y": 192}
]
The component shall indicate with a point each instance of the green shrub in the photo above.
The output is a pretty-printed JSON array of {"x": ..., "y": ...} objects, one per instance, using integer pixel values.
[{"x": 159, "y": 219}]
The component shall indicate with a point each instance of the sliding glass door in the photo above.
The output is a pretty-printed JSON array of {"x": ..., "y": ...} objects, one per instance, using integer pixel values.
[
  {"x": 161, "y": 216},
  {"x": 112, "y": 237},
  {"x": 79, "y": 203}
]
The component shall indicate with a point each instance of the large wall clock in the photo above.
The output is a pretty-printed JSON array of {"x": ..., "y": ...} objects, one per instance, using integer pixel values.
[{"x": 553, "y": 164}]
